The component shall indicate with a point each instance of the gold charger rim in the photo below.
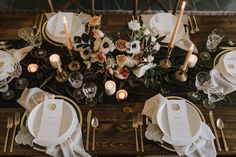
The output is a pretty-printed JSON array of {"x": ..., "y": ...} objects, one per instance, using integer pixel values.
[
  {"x": 169, "y": 146},
  {"x": 79, "y": 114}
]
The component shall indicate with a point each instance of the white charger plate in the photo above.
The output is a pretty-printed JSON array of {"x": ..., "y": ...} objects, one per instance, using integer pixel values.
[
  {"x": 68, "y": 124},
  {"x": 7, "y": 61},
  {"x": 194, "y": 119},
  {"x": 78, "y": 29},
  {"x": 160, "y": 26},
  {"x": 221, "y": 67}
]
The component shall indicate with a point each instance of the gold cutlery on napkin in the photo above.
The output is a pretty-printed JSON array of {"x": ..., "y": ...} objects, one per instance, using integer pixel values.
[
  {"x": 16, "y": 123},
  {"x": 211, "y": 116},
  {"x": 196, "y": 25},
  {"x": 94, "y": 124},
  {"x": 135, "y": 126},
  {"x": 191, "y": 26},
  {"x": 220, "y": 125},
  {"x": 89, "y": 115},
  {"x": 9, "y": 126},
  {"x": 140, "y": 123}
]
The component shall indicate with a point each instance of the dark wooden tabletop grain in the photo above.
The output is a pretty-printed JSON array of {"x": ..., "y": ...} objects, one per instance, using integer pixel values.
[{"x": 115, "y": 135}]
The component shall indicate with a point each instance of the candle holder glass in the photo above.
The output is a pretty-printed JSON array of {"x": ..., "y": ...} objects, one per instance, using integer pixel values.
[
  {"x": 90, "y": 90},
  {"x": 21, "y": 83},
  {"x": 73, "y": 65}
]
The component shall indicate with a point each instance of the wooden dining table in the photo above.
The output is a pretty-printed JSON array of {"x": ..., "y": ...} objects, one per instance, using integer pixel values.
[{"x": 115, "y": 134}]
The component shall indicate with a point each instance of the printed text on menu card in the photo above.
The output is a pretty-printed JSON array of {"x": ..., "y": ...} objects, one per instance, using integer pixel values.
[{"x": 178, "y": 120}]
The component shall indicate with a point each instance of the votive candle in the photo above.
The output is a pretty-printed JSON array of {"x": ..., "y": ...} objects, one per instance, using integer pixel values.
[
  {"x": 192, "y": 61},
  {"x": 110, "y": 87},
  {"x": 55, "y": 61},
  {"x": 32, "y": 68},
  {"x": 121, "y": 94},
  {"x": 68, "y": 39}
]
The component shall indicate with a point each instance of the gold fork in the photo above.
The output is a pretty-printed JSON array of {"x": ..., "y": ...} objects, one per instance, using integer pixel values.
[
  {"x": 140, "y": 123},
  {"x": 16, "y": 123},
  {"x": 9, "y": 126},
  {"x": 191, "y": 26},
  {"x": 135, "y": 126},
  {"x": 196, "y": 25}
]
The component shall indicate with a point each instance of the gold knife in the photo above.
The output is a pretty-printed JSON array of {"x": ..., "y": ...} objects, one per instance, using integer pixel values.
[
  {"x": 211, "y": 116},
  {"x": 89, "y": 115}
]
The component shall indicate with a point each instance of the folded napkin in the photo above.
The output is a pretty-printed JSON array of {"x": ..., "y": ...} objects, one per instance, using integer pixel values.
[
  {"x": 218, "y": 80},
  {"x": 73, "y": 147},
  {"x": 183, "y": 42},
  {"x": 203, "y": 146},
  {"x": 7, "y": 62}
]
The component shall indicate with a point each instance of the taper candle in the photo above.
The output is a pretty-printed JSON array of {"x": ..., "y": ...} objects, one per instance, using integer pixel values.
[
  {"x": 55, "y": 61},
  {"x": 68, "y": 39},
  {"x": 176, "y": 28},
  {"x": 184, "y": 67}
]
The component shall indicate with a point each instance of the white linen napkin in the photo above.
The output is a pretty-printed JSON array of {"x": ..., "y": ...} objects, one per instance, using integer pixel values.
[
  {"x": 19, "y": 54},
  {"x": 73, "y": 147},
  {"x": 217, "y": 80},
  {"x": 203, "y": 146},
  {"x": 183, "y": 43}
]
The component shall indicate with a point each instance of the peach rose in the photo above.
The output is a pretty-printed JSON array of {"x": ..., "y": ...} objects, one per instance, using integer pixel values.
[
  {"x": 100, "y": 57},
  {"x": 120, "y": 45},
  {"x": 121, "y": 60},
  {"x": 95, "y": 21},
  {"x": 97, "y": 33}
]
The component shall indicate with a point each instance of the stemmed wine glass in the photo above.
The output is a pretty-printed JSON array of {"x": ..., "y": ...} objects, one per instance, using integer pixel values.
[
  {"x": 201, "y": 79},
  {"x": 214, "y": 94},
  {"x": 213, "y": 41},
  {"x": 90, "y": 90}
]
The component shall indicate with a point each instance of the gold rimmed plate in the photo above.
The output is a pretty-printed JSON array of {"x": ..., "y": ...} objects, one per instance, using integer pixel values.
[
  {"x": 168, "y": 146},
  {"x": 73, "y": 104}
]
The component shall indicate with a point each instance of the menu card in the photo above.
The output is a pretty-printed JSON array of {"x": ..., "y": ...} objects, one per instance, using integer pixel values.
[
  {"x": 51, "y": 119},
  {"x": 230, "y": 66},
  {"x": 178, "y": 120}
]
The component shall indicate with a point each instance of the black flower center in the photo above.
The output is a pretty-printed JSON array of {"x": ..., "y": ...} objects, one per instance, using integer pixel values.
[
  {"x": 134, "y": 45},
  {"x": 86, "y": 52},
  {"x": 105, "y": 45}
]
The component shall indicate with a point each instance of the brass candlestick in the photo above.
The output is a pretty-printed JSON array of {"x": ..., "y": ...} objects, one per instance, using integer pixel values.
[
  {"x": 166, "y": 63},
  {"x": 74, "y": 65},
  {"x": 61, "y": 76},
  {"x": 181, "y": 75}
]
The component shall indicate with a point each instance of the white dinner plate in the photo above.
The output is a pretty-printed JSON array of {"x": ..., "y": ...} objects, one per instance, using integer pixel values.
[
  {"x": 194, "y": 120},
  {"x": 232, "y": 55},
  {"x": 164, "y": 23},
  {"x": 6, "y": 61},
  {"x": 78, "y": 29},
  {"x": 69, "y": 122}
]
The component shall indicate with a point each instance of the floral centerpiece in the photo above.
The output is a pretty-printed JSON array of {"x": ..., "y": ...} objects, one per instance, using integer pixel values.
[{"x": 116, "y": 56}]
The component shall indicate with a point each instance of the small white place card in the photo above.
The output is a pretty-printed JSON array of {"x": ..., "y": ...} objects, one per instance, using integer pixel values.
[
  {"x": 230, "y": 66},
  {"x": 178, "y": 120},
  {"x": 51, "y": 119}
]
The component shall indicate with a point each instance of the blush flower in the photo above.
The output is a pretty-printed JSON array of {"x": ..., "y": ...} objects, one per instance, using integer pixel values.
[
  {"x": 97, "y": 33},
  {"x": 99, "y": 56},
  {"x": 95, "y": 21},
  {"x": 121, "y": 60},
  {"x": 120, "y": 45}
]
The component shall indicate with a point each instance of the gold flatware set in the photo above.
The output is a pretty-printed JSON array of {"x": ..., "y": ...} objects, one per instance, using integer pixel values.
[
  {"x": 11, "y": 124},
  {"x": 193, "y": 25},
  {"x": 137, "y": 123},
  {"x": 220, "y": 125}
]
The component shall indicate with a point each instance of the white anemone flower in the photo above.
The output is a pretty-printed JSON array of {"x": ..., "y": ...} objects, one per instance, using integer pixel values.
[
  {"x": 133, "y": 47},
  {"x": 107, "y": 46}
]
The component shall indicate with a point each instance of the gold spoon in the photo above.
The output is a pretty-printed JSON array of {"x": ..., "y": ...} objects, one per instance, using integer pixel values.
[
  {"x": 94, "y": 124},
  {"x": 220, "y": 125}
]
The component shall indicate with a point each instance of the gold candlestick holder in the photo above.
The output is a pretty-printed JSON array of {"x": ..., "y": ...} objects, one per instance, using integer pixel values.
[
  {"x": 166, "y": 63},
  {"x": 74, "y": 65},
  {"x": 181, "y": 75},
  {"x": 61, "y": 76}
]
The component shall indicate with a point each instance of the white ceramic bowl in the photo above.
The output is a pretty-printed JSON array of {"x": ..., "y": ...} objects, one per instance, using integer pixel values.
[
  {"x": 194, "y": 124},
  {"x": 69, "y": 122}
]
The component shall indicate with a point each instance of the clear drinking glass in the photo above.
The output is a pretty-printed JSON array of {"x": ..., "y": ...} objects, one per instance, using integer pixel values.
[
  {"x": 78, "y": 94},
  {"x": 26, "y": 33},
  {"x": 200, "y": 82},
  {"x": 214, "y": 94},
  {"x": 90, "y": 90},
  {"x": 8, "y": 95},
  {"x": 16, "y": 70},
  {"x": 76, "y": 79},
  {"x": 3, "y": 85},
  {"x": 21, "y": 83}
]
